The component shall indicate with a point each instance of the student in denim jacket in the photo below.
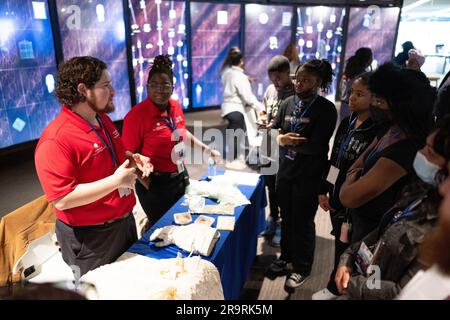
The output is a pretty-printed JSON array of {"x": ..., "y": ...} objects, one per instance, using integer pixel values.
[{"x": 395, "y": 243}]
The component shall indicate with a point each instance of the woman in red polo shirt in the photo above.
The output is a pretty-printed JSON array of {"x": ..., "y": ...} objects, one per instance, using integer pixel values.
[{"x": 156, "y": 128}]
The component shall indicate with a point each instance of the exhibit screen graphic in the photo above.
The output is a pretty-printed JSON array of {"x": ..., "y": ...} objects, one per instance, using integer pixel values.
[
  {"x": 372, "y": 27},
  {"x": 319, "y": 36},
  {"x": 159, "y": 27},
  {"x": 96, "y": 28},
  {"x": 267, "y": 33},
  {"x": 215, "y": 28},
  {"x": 27, "y": 71}
]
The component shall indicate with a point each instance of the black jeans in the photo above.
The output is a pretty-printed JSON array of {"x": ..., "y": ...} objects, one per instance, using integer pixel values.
[
  {"x": 163, "y": 193},
  {"x": 337, "y": 219},
  {"x": 339, "y": 248},
  {"x": 298, "y": 203},
  {"x": 270, "y": 181},
  {"x": 235, "y": 145},
  {"x": 89, "y": 247},
  {"x": 361, "y": 226}
]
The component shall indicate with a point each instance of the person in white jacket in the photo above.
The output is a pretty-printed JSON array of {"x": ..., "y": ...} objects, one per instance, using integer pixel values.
[{"x": 238, "y": 107}]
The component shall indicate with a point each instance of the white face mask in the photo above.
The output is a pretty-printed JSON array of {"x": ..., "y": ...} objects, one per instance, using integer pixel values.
[{"x": 425, "y": 169}]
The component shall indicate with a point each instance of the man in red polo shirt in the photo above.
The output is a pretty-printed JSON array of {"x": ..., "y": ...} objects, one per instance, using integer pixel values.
[{"x": 85, "y": 170}]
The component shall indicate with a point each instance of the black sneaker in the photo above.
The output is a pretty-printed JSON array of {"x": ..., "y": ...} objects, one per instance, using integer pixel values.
[
  {"x": 294, "y": 280},
  {"x": 278, "y": 266}
]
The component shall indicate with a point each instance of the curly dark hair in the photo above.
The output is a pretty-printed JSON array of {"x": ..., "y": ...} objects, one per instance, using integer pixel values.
[
  {"x": 161, "y": 64},
  {"x": 322, "y": 69},
  {"x": 87, "y": 70},
  {"x": 410, "y": 98}
]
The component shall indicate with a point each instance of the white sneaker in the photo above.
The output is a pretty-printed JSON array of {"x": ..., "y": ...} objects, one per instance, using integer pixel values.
[
  {"x": 235, "y": 165},
  {"x": 324, "y": 294}
]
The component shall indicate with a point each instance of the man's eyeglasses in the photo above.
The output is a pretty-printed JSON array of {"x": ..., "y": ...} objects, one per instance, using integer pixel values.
[{"x": 161, "y": 87}]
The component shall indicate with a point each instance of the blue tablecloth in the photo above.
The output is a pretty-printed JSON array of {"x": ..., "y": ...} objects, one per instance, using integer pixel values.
[{"x": 234, "y": 252}]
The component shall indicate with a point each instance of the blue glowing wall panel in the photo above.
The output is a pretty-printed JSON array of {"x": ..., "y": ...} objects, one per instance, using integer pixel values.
[
  {"x": 214, "y": 30},
  {"x": 267, "y": 33},
  {"x": 159, "y": 27},
  {"x": 96, "y": 28},
  {"x": 27, "y": 71},
  {"x": 372, "y": 27},
  {"x": 319, "y": 35}
]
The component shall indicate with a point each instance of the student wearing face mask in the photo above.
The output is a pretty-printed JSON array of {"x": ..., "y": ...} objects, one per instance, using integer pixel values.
[
  {"x": 402, "y": 104},
  {"x": 394, "y": 246},
  {"x": 306, "y": 122}
]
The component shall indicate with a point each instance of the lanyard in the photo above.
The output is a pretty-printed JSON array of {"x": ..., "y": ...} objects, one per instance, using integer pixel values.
[
  {"x": 109, "y": 145},
  {"x": 408, "y": 211},
  {"x": 294, "y": 119},
  {"x": 172, "y": 125},
  {"x": 351, "y": 130}
]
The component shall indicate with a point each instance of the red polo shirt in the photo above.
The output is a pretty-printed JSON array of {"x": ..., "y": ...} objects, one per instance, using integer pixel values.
[
  {"x": 145, "y": 131},
  {"x": 69, "y": 153}
]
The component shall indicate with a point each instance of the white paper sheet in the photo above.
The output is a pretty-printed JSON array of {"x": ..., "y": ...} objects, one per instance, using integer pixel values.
[{"x": 243, "y": 178}]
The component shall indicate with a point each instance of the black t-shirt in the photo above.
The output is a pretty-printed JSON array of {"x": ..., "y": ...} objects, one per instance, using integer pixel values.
[
  {"x": 403, "y": 153},
  {"x": 343, "y": 156},
  {"x": 316, "y": 125}
]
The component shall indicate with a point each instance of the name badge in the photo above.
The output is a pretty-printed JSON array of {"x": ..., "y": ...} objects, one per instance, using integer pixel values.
[
  {"x": 363, "y": 258},
  {"x": 180, "y": 150},
  {"x": 180, "y": 166},
  {"x": 123, "y": 192},
  {"x": 332, "y": 175},
  {"x": 345, "y": 231}
]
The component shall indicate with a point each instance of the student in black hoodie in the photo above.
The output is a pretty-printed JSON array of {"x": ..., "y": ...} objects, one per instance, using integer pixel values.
[
  {"x": 353, "y": 136},
  {"x": 306, "y": 122}
]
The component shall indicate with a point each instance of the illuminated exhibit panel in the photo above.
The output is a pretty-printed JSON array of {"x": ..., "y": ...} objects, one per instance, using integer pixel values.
[
  {"x": 267, "y": 33},
  {"x": 319, "y": 36},
  {"x": 372, "y": 27},
  {"x": 159, "y": 27},
  {"x": 27, "y": 71},
  {"x": 97, "y": 28},
  {"x": 214, "y": 30}
]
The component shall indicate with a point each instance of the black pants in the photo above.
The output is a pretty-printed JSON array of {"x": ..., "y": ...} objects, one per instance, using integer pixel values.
[
  {"x": 89, "y": 247},
  {"x": 361, "y": 226},
  {"x": 270, "y": 181},
  {"x": 235, "y": 145},
  {"x": 162, "y": 194},
  {"x": 337, "y": 219},
  {"x": 339, "y": 248},
  {"x": 298, "y": 203}
]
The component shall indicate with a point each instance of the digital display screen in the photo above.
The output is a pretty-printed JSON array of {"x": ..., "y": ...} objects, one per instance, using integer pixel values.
[
  {"x": 267, "y": 33},
  {"x": 375, "y": 28},
  {"x": 96, "y": 28},
  {"x": 215, "y": 28},
  {"x": 27, "y": 71},
  {"x": 319, "y": 36},
  {"x": 159, "y": 27}
]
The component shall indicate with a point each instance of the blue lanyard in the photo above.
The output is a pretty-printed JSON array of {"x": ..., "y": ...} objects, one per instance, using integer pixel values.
[
  {"x": 172, "y": 126},
  {"x": 109, "y": 146},
  {"x": 407, "y": 212},
  {"x": 350, "y": 132},
  {"x": 294, "y": 119}
]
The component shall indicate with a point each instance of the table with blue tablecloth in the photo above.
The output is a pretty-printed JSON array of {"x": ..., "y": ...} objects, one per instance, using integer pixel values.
[{"x": 234, "y": 252}]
